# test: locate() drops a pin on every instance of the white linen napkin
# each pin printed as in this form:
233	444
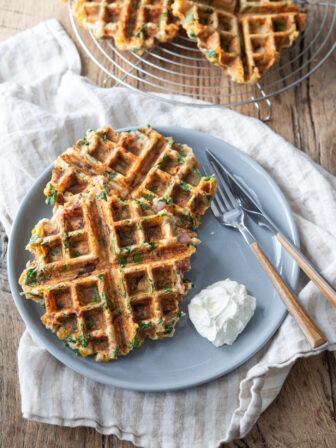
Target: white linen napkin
45	106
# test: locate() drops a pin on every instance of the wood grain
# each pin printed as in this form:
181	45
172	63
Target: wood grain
303	415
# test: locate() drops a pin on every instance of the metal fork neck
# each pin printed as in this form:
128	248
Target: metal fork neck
248	237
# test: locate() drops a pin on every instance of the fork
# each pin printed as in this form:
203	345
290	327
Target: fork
228	212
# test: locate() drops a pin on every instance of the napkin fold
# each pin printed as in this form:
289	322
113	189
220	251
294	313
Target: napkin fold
45	106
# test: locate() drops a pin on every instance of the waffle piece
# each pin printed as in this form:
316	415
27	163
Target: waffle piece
264	37
135	164
133	24
216	30
244	44
266	6
109	273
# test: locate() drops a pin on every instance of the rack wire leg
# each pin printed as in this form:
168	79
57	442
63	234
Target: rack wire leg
263	115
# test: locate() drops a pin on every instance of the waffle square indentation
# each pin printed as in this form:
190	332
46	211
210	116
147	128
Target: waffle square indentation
126	235
78	246
54	252
142	309
163	277
153	231
137	283
61	299
88	293
74	220
94	320
120	211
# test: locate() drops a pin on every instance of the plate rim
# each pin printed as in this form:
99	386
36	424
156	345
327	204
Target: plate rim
71	361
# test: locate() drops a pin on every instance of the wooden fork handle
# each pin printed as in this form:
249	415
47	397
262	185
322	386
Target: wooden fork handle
326	289
313	334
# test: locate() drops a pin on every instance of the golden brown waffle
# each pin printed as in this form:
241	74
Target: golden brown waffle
246	43
266	6
109	273
264	36
133	24
216	31
135	164
109	264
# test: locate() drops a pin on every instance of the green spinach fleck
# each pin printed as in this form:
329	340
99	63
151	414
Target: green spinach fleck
103	137
167	200
137	258
180	159
83	142
122	261
184	186
31	277
169	330
102	195
69	340
34	239
52	196
145	325
212	54
135	343
189	18
150	197
207	178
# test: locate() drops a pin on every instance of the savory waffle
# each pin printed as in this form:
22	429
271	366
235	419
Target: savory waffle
109	273
216	31
264	36
266	6
136	164
133	24
245	43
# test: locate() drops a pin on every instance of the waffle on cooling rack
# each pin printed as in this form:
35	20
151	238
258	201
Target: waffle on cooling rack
216	31
266	6
244	37
133	24
140	163
109	265
265	36
244	44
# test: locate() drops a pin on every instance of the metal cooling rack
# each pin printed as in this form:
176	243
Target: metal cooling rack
179	68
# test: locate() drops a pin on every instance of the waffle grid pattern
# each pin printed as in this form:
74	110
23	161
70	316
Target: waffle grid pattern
137	164
109	265
106	287
266	6
265	36
133	24
245	43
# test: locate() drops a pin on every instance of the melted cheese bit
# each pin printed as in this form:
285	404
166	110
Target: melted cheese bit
221	311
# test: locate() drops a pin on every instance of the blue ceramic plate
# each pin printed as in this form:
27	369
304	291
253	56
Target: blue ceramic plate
187	359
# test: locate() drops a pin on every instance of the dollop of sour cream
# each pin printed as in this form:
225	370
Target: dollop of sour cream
221	311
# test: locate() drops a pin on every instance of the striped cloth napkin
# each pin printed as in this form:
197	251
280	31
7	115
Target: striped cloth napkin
44	107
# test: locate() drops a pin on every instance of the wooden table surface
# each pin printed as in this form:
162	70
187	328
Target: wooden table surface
303	415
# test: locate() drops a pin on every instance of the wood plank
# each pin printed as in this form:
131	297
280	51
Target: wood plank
304	413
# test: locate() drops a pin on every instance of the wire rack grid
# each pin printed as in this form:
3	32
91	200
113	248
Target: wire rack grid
178	68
